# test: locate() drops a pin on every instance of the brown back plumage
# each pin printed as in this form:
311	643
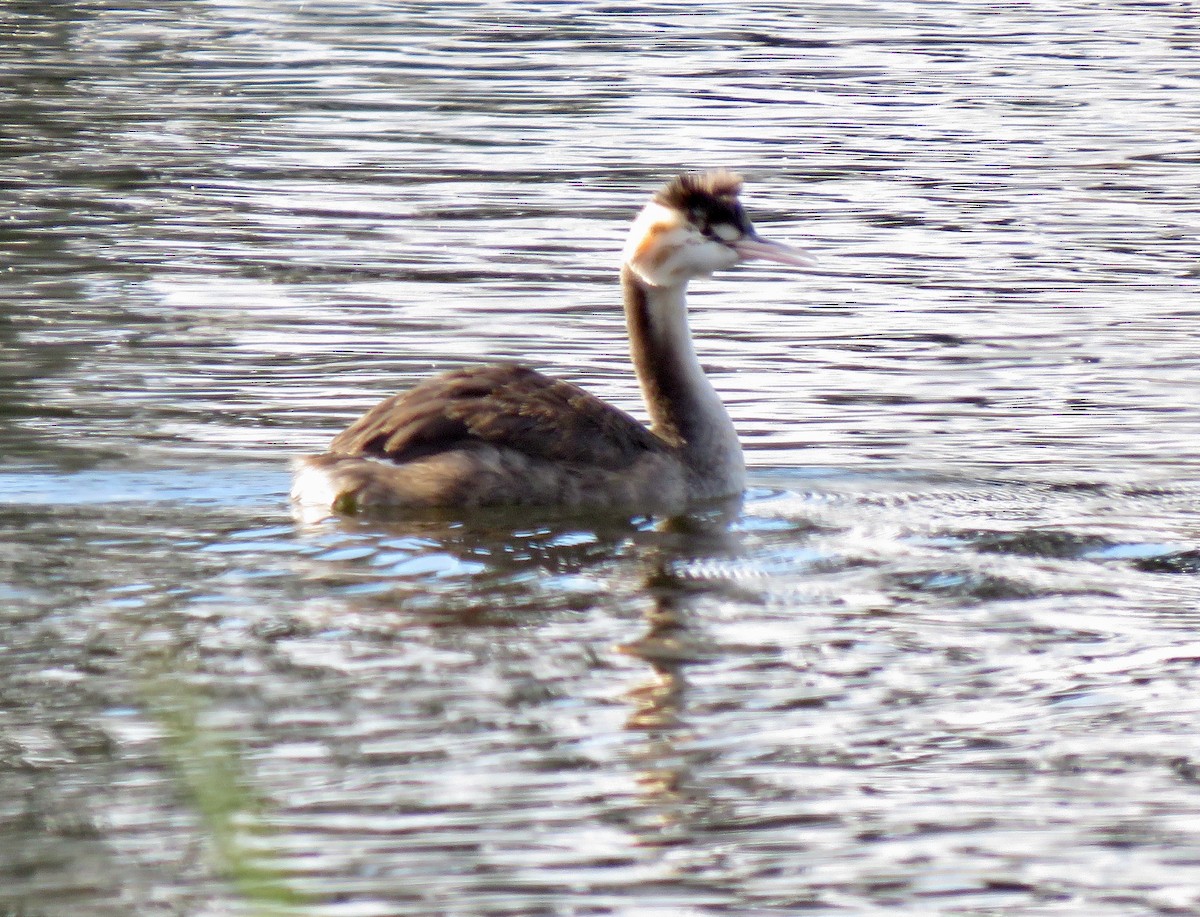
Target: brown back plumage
504	405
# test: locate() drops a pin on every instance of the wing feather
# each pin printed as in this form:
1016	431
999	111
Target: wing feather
504	405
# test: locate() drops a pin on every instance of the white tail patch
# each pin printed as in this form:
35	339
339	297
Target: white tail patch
313	486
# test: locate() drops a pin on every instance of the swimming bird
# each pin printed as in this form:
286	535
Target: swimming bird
504	434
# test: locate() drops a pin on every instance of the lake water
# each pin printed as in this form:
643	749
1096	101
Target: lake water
942	660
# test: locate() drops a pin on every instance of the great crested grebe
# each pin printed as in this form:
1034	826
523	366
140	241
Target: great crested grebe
504	434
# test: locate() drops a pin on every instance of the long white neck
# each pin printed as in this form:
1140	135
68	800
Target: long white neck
685	409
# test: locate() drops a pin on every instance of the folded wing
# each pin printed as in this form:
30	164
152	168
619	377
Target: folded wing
503	405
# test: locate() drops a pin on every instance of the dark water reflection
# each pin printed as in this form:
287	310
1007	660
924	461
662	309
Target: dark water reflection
942	660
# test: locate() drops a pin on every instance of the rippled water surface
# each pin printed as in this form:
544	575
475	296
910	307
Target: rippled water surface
943	658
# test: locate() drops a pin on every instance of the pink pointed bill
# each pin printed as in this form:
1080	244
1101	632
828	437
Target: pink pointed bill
761	249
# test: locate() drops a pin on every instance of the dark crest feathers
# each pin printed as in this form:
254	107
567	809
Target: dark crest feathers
707	198
685	189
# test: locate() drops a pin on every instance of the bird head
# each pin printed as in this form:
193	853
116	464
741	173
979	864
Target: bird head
695	225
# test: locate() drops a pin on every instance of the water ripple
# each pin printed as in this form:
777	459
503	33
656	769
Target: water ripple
941	661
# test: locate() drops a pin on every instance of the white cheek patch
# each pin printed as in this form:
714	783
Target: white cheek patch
653	220
663	249
662	259
657	236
